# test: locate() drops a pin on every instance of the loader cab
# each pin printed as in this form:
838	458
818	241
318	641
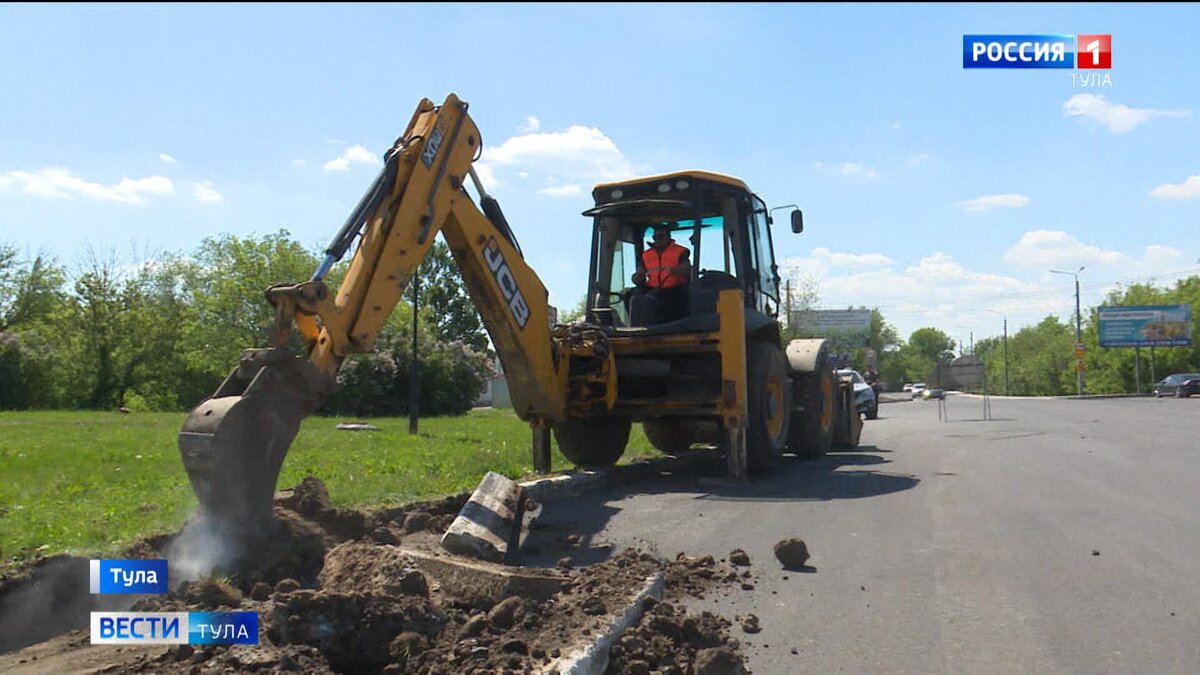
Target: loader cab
722	224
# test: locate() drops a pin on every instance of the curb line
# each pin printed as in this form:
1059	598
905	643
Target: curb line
571	484
593	658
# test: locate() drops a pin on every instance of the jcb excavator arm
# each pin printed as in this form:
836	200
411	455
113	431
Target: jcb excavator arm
234	442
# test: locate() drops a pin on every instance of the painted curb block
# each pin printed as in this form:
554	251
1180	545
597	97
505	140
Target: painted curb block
592	659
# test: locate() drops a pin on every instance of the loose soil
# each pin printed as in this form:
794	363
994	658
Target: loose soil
339	590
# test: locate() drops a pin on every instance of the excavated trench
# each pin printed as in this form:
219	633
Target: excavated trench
340	590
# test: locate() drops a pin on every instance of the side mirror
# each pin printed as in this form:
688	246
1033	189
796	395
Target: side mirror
797	221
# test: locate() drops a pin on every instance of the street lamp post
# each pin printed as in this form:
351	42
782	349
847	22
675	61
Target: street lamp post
1078	339
1005	343
971	333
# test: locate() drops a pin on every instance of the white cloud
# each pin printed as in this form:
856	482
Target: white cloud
1118	117
1188	189
1055	248
355	154
936	291
167	158
894	125
204	191
827	259
918	159
986	202
59	183
561	191
577	155
530	125
849	169
486	175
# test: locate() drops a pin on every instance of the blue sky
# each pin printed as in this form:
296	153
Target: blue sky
930	191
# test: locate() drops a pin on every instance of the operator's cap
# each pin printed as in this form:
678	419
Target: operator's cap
662	227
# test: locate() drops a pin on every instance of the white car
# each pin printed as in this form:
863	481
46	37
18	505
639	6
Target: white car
907	386
917	389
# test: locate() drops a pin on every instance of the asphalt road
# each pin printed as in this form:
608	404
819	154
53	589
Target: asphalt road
1062	536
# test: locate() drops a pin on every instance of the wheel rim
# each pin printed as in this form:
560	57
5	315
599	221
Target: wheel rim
775	411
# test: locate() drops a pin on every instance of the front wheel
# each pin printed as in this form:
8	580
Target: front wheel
769	404
593	442
873	411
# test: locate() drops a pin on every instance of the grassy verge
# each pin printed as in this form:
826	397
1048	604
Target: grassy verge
90	483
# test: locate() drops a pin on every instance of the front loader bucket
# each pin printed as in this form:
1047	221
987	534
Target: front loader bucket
233	443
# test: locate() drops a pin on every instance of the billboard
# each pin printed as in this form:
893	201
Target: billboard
1146	326
850	326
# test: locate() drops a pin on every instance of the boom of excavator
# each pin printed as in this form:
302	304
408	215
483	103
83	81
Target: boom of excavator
721	376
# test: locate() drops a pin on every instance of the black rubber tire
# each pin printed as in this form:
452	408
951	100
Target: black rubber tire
593	442
769	404
670	437
873	411
811	435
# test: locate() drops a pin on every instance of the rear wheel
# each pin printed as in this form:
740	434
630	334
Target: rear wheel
769	406
670	437
811	433
591	442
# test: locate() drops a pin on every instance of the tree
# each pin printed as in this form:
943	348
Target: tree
223	286
916	359
576	313
29	290
801	293
442	291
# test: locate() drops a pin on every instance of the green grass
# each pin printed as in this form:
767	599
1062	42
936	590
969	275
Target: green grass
90	483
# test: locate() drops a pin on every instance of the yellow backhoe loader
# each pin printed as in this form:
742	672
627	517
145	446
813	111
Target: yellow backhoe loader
712	371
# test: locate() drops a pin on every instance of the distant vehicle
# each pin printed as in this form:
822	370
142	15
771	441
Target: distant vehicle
907	386
933	393
1180	385
917	389
865	401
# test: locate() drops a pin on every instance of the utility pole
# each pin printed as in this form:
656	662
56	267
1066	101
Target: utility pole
1078	339
788	317
414	374
1005	343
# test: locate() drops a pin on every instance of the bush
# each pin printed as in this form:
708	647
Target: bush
451	377
13	394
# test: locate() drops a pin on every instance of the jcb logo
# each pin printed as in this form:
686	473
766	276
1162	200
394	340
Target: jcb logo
431	148
506	281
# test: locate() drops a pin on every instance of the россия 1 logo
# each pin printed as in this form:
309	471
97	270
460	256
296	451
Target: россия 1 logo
1081	51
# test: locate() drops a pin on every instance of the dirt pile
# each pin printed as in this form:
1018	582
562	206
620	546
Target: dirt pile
672	642
346	591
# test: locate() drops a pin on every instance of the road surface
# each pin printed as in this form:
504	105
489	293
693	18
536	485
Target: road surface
1062	536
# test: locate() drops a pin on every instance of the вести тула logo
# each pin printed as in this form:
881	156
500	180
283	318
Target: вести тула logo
1090	51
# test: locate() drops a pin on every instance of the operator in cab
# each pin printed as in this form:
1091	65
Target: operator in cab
663	273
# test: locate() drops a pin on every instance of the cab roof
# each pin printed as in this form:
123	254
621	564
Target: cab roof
699	175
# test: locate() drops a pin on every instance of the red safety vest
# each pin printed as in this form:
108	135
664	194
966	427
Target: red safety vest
658	266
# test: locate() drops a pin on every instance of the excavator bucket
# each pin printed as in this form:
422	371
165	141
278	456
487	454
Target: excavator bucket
234	442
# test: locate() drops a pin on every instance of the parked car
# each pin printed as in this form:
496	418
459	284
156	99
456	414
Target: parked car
1181	385
865	401
907	387
917	389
